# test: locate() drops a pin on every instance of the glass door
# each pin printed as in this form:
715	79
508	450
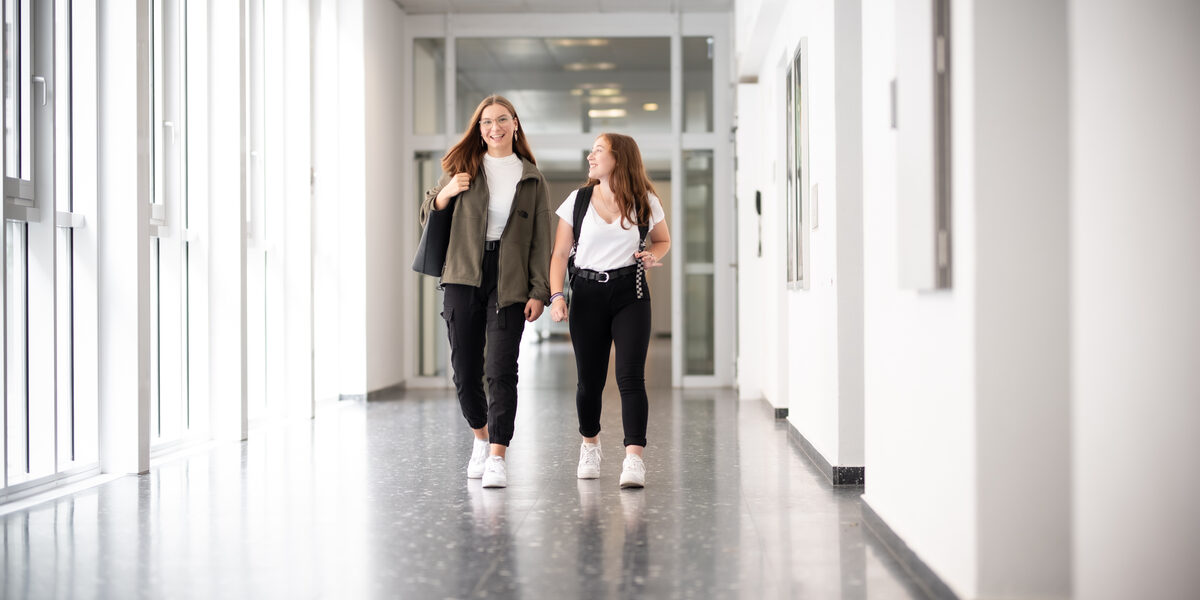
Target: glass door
659	89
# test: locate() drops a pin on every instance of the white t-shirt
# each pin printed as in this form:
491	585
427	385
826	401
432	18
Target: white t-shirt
502	177
606	246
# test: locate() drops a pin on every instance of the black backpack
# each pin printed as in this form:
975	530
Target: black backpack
583	199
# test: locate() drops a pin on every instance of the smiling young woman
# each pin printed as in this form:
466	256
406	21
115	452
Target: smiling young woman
614	213
496	275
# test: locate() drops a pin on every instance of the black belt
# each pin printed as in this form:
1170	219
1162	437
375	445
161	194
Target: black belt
604	276
491	245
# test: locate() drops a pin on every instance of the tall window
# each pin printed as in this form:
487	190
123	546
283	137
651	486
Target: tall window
796	168
171	417
49	431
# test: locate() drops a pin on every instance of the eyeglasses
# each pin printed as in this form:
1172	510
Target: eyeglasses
502	121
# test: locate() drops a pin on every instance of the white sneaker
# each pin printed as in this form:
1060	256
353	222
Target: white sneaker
633	472
494	473
479	454
589	461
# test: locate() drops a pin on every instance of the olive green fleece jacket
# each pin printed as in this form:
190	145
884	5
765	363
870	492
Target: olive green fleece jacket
524	246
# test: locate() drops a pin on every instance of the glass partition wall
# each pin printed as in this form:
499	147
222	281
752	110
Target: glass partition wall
570	83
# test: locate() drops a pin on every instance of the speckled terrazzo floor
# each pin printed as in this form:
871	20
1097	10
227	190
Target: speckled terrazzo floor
370	500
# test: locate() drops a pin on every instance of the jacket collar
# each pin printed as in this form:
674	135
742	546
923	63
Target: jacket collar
528	169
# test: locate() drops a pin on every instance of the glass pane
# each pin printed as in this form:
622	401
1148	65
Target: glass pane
16	401
429	86
698	206
797	167
156	396
570	85
64	338
12	134
698	262
698	347
256	334
25	89
432	348
697	84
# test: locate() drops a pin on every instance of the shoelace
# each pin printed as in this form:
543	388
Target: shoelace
591	456
632	464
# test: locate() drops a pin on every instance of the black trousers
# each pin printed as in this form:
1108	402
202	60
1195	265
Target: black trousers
473	321
604	314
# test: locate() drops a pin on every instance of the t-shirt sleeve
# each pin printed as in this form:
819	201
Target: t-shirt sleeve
657	215
567	210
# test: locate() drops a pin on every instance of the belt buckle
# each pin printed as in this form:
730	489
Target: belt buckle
606	277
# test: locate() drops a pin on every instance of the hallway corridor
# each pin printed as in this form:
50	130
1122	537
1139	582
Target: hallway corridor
369	500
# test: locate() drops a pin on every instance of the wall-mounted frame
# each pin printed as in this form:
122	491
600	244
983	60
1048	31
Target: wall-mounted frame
922	119
796	167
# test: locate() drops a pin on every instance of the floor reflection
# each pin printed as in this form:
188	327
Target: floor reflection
371	501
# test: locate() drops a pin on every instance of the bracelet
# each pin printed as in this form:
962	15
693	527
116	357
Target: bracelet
555	295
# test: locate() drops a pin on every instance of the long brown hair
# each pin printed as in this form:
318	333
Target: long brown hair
467	154
629	182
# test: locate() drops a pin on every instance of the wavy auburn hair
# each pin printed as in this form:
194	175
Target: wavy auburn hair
629	181
467	154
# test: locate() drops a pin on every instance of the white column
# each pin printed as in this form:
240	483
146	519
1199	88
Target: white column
1022	340
1135	289
848	123
389	198
122	223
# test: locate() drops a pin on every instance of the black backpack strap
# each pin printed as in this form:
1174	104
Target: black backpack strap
583	199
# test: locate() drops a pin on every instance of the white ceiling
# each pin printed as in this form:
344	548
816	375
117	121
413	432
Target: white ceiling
416	7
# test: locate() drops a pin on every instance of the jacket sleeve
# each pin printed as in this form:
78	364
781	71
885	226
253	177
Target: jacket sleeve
427	205
539	249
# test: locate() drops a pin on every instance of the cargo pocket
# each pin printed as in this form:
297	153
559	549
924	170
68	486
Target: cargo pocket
448	315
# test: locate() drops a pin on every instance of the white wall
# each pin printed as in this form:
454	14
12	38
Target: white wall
812	347
1135	284
757	372
792	346
1015	421
919	347
388	195
762	290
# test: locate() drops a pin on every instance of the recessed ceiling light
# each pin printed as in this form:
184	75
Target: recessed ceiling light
573	42
609	91
606	113
608	100
589	66
650	106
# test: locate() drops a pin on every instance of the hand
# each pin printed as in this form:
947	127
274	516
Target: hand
457	185
533	309
648	259
558	310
